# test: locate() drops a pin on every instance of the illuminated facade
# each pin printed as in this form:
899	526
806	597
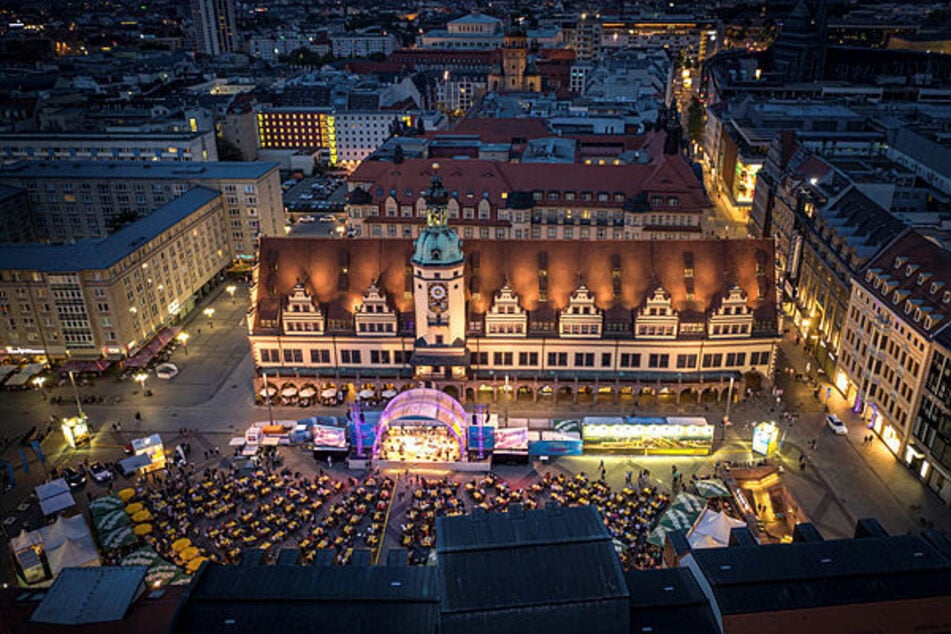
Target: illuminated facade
540	318
699	40
107	298
661	199
348	137
293	128
899	306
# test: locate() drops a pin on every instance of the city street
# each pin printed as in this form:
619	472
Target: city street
845	479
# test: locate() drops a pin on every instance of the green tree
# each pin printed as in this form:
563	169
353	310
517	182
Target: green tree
120	220
228	151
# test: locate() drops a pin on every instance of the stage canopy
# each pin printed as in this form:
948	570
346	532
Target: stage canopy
423	406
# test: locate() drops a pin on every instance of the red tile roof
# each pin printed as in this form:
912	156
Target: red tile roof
668	174
503	130
318	263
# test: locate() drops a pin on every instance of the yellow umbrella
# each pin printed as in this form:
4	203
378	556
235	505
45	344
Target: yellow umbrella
181	544
142	516
126	494
194	564
134	508
142	529
189	553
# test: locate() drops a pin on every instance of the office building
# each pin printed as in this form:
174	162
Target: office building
215	28
106	298
90	199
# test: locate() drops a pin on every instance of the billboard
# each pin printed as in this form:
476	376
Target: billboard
649	436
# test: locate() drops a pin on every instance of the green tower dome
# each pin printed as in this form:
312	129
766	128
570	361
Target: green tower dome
438	244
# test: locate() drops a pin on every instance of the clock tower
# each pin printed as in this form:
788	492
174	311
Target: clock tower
439	291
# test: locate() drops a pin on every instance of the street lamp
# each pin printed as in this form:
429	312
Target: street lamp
230	289
183	339
38	382
209	313
140	378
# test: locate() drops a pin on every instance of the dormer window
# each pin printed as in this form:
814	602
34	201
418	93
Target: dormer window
910	270
900	262
946	298
581	317
435	254
935	287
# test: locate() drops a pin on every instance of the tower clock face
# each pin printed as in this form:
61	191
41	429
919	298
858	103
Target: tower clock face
438	297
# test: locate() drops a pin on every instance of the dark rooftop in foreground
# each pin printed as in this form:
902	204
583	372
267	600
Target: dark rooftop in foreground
553	569
278	599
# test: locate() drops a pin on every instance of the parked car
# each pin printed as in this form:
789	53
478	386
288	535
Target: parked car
307	219
100	472
836	425
328	218
74	478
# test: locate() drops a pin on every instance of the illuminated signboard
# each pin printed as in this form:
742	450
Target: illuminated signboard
649	436
765	436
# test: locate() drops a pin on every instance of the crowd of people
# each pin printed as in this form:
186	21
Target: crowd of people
629	514
225	512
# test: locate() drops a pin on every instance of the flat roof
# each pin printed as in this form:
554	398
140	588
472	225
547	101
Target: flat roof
101	253
152	170
8	191
99	134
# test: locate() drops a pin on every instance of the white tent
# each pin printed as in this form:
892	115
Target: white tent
54	496
67	542
712	530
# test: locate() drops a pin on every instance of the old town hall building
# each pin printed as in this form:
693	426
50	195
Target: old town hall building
568	320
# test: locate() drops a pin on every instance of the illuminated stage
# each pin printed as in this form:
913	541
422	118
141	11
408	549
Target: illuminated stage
419	428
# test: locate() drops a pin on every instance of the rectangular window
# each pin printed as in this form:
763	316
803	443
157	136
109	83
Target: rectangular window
584	359
658	361
605	359
686	361
630	360
481	358
528	358
320	356
558	359
713	360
